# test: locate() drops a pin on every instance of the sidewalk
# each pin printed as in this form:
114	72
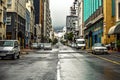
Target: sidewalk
109	51
26	51
113	52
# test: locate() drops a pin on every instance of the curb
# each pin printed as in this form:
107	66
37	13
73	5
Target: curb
24	53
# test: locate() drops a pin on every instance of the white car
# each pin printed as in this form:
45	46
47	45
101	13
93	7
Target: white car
9	48
47	46
34	45
99	48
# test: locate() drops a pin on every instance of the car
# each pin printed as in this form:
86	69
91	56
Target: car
9	48
47	46
99	48
40	45
34	45
73	45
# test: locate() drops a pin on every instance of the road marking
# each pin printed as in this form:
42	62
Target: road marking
107	59
58	70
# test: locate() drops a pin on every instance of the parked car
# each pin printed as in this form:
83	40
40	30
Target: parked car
34	45
47	46
9	48
73	45
99	48
40	45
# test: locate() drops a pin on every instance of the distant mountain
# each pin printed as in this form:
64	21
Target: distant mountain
57	29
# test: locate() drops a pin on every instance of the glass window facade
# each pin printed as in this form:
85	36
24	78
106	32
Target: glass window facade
90	6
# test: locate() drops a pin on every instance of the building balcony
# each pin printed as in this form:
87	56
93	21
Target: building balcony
98	14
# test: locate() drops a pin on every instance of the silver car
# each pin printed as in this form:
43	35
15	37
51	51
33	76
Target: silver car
9	48
34	45
99	48
47	46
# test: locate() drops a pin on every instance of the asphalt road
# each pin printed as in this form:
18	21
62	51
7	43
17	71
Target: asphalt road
63	63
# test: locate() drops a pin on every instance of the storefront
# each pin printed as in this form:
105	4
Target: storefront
115	30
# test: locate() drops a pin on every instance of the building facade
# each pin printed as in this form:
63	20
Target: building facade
3	6
70	23
80	18
47	21
16	10
37	20
98	18
42	19
115	29
27	29
30	7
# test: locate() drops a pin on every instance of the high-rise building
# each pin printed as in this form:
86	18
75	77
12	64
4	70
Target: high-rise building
37	20
16	10
45	19
80	18
30	7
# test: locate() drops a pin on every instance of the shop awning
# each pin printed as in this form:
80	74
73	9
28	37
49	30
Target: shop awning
114	30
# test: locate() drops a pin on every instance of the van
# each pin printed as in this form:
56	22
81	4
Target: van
9	48
80	43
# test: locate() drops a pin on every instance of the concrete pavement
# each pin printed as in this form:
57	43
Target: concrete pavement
26	50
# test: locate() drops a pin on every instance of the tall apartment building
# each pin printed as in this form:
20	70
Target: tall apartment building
99	16
30	7
70	23
37	20
72	20
42	19
80	18
3	6
45	20
16	10
27	29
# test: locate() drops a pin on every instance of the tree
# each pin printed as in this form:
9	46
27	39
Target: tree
69	36
55	40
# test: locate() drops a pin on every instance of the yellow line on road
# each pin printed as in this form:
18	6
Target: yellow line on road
107	59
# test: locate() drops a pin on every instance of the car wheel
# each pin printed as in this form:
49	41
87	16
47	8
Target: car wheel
18	56
2	57
14	56
94	52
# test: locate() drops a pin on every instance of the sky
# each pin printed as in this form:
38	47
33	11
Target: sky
59	10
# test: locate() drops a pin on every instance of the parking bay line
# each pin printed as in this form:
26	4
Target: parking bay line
107	59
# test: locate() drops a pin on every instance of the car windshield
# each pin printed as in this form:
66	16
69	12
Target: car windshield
98	45
81	42
6	43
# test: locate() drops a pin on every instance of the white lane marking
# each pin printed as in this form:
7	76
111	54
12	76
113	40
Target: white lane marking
58	70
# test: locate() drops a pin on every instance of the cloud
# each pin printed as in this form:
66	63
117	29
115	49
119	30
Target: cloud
59	10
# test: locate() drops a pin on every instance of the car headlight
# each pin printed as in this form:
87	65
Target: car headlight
105	50
11	52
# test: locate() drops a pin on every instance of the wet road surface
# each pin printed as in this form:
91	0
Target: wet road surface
80	65
32	66
63	63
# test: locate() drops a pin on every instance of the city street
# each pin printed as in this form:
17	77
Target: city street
63	63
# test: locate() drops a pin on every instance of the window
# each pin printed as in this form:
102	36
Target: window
113	7
8	20
9	3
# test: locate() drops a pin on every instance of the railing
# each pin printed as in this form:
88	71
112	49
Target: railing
98	12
